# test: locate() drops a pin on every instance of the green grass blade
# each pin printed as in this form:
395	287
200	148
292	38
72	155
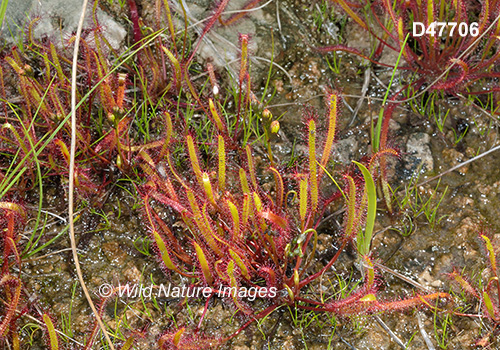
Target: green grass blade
3	10
378	130
365	241
43	142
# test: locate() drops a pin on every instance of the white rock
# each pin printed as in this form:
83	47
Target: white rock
57	19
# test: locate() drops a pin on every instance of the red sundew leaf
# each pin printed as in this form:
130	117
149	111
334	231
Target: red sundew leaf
366	303
218	11
465	285
8	279
203	263
134	17
458	79
404	304
164	252
279	186
491	309
14	208
64	149
13	246
171	203
484	341
243	12
109	142
52	335
275	219
269	275
187	339
352	14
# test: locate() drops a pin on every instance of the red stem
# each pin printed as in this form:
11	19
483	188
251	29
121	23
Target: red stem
205	310
134	17
327	266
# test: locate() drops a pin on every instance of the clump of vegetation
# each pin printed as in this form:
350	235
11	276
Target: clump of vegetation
11	285
445	58
237	236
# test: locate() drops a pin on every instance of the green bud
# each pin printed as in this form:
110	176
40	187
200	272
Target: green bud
275	126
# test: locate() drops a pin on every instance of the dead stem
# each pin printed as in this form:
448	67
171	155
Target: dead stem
72	174
460	165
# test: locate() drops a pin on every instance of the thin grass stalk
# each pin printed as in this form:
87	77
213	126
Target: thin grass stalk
72	174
